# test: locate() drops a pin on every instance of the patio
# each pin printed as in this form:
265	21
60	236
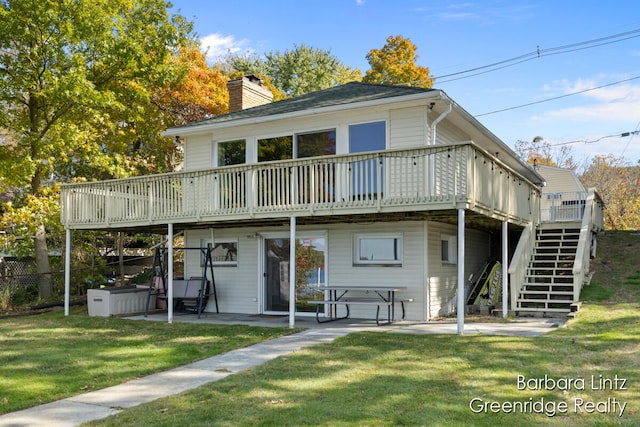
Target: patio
519	327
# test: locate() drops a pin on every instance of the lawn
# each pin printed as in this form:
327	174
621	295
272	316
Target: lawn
385	379
48	357
363	379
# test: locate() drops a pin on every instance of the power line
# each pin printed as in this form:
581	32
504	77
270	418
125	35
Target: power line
593	141
558	97
634	133
539	53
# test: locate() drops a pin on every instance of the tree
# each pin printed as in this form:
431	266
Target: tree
295	72
540	152
76	81
617	183
395	63
201	94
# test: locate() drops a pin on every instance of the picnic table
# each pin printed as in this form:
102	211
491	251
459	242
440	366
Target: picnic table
348	295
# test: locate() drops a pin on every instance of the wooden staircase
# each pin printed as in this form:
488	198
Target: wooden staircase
548	289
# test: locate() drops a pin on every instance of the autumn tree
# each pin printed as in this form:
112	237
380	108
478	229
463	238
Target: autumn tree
298	71
76	83
617	182
201	94
395	63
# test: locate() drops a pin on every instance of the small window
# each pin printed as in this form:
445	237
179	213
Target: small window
223	253
378	250
448	249
231	153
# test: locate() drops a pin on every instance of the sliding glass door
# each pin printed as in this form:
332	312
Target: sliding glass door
310	272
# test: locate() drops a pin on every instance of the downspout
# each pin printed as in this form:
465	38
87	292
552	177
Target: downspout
438	120
432	160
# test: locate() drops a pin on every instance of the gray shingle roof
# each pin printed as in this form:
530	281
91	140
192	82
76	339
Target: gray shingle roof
339	95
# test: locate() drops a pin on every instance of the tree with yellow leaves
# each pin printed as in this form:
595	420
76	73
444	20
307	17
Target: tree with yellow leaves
395	63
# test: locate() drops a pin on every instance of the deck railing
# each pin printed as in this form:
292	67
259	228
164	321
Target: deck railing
563	207
435	177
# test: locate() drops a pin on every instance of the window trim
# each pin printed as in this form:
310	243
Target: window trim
226	141
359	262
206	242
451	257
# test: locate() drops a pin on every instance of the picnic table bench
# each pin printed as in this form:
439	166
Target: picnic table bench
347	296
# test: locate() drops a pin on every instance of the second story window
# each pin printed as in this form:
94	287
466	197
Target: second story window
231	152
278	148
314	144
367	137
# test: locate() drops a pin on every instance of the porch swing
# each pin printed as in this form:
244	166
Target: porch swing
188	295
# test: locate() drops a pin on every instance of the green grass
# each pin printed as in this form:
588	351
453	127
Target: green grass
48	357
385	379
363	379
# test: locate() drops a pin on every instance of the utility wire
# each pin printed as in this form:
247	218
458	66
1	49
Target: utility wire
593	141
558	97
634	133
539	53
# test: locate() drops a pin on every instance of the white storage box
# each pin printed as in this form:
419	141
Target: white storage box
107	302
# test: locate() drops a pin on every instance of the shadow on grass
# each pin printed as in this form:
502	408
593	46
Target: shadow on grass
49	357
392	379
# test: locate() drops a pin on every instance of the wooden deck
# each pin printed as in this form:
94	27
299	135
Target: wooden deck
423	179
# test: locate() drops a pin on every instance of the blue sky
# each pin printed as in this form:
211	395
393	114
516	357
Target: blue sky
455	36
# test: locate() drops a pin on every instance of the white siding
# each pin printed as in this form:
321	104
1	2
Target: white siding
560	180
407	127
447	133
443	278
198	152
237	287
411	274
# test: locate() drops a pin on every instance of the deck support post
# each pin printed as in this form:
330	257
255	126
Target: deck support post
170	273
292	272
461	279
505	269
67	270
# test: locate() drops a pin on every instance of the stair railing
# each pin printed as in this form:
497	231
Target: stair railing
520	262
590	222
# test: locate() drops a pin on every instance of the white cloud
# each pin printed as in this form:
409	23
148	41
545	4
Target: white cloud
618	103
360	2
217	46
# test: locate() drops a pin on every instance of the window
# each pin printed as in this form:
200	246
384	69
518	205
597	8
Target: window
448	248
231	152
367	137
314	144
378	250
278	148
364	174
223	253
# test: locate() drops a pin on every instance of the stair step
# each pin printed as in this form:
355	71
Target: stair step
551	280
552	269
534	288
548	283
562	302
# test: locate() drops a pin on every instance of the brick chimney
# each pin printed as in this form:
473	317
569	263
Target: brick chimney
247	92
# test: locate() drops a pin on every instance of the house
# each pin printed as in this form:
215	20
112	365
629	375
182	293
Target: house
376	184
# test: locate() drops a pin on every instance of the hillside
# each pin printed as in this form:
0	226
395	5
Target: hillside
616	269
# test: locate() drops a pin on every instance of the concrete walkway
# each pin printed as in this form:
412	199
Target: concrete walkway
109	401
